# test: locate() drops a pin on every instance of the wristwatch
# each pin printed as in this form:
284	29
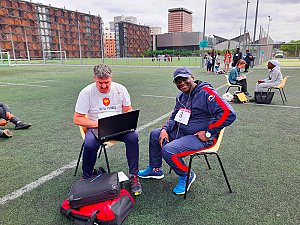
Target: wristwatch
207	134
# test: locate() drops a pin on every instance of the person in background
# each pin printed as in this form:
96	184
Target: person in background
248	58
198	117
236	57
217	69
98	100
274	78
213	57
236	78
208	63
227	61
5	117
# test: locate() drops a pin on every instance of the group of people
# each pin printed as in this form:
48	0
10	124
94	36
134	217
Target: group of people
5	117
274	78
199	115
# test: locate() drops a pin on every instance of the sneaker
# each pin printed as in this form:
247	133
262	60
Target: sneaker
179	189
7	133
21	125
136	187
155	173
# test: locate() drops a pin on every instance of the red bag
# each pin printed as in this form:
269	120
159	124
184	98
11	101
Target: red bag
110	212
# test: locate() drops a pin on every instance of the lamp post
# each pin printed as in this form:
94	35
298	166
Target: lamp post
245	27
270	19
204	21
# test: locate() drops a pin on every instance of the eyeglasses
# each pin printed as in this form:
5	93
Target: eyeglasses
178	80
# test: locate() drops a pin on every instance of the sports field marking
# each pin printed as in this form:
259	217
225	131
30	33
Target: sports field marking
157	96
20	84
29	187
40	81
278	106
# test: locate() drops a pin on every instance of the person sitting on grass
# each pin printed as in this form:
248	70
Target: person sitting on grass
236	78
5	117
198	117
217	69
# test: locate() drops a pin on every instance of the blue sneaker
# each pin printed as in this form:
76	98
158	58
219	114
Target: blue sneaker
179	189
151	173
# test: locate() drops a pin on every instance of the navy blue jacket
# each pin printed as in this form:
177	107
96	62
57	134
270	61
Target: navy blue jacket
209	111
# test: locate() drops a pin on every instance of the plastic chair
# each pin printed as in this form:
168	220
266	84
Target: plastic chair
232	85
208	151
280	88
103	146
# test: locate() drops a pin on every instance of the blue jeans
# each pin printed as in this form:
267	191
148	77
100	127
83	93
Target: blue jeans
171	151
92	144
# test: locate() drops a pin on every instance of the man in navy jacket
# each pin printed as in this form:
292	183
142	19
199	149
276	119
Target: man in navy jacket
199	115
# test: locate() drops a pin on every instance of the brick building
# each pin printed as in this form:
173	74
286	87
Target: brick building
32	30
131	39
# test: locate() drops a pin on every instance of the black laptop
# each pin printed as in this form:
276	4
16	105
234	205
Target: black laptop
112	126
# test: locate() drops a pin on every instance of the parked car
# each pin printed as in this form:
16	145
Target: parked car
278	54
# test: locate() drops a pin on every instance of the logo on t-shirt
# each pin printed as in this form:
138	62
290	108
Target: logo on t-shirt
106	101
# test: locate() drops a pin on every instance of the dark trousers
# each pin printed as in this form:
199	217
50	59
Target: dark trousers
247	66
243	83
92	144
3	112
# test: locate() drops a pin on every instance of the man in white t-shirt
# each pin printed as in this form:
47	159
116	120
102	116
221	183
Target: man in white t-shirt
98	100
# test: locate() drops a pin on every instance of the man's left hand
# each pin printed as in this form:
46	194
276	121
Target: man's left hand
201	135
3	122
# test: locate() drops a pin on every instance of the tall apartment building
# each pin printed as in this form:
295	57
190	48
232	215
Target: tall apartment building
110	43
131	39
129	19
179	20
32	30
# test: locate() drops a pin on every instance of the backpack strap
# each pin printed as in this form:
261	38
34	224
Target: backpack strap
93	218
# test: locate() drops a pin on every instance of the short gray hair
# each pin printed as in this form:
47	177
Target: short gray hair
102	71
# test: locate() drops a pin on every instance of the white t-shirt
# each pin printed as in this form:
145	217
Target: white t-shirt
99	105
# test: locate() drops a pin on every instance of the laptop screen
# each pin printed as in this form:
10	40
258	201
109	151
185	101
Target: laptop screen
112	126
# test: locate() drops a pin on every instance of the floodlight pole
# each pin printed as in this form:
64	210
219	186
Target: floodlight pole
204	22
80	53
245	27
255	22
102	39
61	60
270	19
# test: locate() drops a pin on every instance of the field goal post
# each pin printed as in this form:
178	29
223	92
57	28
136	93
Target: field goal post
56	55
5	58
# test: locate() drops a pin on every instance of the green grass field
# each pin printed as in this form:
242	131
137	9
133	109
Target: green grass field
260	151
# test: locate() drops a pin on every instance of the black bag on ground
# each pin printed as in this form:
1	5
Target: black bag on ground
263	97
98	189
109	212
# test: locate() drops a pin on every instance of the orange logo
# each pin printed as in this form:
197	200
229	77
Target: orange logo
106	101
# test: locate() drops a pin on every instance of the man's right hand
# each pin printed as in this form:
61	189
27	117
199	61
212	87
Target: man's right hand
163	135
260	81
3	122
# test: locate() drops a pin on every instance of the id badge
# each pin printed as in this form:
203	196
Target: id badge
183	116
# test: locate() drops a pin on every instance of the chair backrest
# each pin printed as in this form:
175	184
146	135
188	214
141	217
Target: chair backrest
282	84
227	80
217	145
82	131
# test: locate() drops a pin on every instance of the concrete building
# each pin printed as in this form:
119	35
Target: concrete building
129	19
131	39
179	20
110	43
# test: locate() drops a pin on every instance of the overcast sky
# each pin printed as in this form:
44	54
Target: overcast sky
225	18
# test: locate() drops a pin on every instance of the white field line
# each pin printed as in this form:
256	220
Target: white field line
277	106
18	193
28	85
40	81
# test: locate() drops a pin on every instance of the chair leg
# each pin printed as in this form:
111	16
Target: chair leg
170	171
281	96
81	150
205	156
188	176
227	89
106	158
284	95
224	173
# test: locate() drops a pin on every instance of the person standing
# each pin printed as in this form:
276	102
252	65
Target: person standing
227	61
248	58
198	117
98	100
236	57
